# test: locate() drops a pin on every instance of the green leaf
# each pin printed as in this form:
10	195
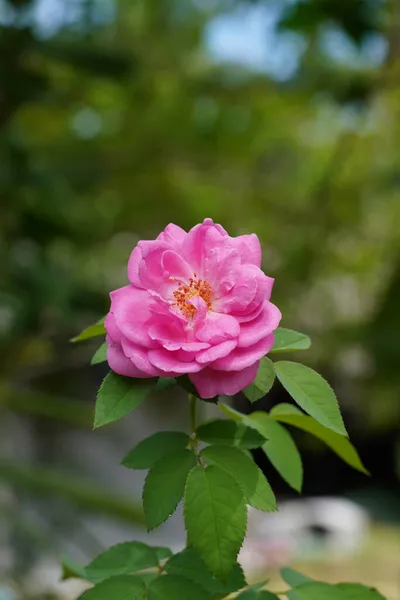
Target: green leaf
315	590
254	595
287	340
117	396
263	382
100	355
312	393
286	413
163	553
172	587
355	591
279	448
165	382
121	559
124	587
189	565
92	331
150	450
228	433
215	517
257	491
71	570
293	578
230	412
164	486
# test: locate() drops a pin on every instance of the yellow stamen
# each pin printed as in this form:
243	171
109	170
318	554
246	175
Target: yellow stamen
186	291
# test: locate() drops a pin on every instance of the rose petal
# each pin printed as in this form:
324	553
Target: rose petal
120	364
249	248
253	331
199	243
217	328
174	266
210	383
215	352
240	358
172	362
173	236
130	307
138	356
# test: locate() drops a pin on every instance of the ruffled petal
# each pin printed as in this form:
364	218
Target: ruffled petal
130	307
199	243
249	248
112	329
138	356
239	297
210	383
253	331
217	328
173	235
215	352
172	362
241	358
174	266
120	364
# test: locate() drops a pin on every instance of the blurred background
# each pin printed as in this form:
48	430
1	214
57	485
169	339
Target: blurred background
280	117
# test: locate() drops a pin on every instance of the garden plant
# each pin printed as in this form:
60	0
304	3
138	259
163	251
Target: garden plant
196	313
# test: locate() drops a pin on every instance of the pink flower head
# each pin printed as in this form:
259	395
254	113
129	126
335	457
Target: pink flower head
197	304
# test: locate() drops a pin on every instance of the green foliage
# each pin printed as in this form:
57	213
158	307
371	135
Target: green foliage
189	565
293	578
286	413
124	587
355	591
287	340
279	448
164	486
257	491
254	595
122	559
94	330
215	517
100	355
312	393
71	569
263	382
172	587
228	433
158	445
315	590
165	382
117	396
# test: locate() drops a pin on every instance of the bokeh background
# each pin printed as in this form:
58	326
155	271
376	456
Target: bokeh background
280	117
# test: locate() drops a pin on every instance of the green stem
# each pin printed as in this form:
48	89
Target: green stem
192	403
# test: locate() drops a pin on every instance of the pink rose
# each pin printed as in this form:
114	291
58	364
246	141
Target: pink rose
197	303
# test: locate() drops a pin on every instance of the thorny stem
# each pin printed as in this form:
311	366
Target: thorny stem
192	403
193	440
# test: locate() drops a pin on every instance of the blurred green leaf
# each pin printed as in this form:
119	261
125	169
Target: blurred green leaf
287	340
100	355
117	396
223	432
285	413
158	445
312	393
94	330
263	382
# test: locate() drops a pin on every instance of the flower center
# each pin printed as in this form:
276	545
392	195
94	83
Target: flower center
186	291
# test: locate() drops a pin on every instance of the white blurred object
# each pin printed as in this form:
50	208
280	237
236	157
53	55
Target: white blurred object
303	528
45	577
